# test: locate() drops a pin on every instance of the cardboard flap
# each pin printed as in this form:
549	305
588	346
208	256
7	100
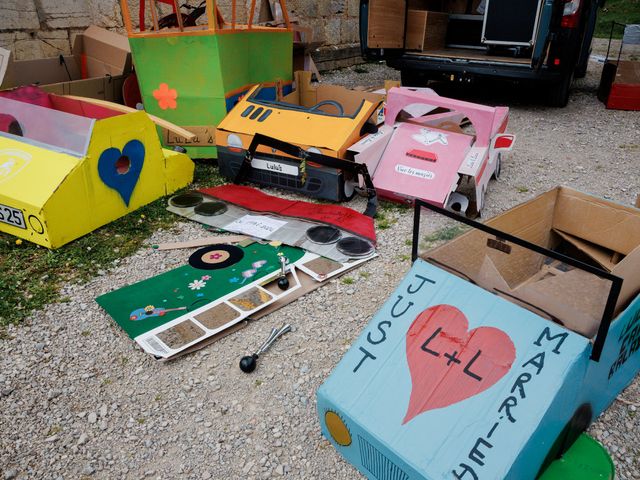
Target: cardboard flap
44	71
604	257
629	270
107	53
601	222
5	55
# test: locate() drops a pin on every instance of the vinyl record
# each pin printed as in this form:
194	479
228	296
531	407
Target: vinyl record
216	257
210	209
323	234
186	200
354	247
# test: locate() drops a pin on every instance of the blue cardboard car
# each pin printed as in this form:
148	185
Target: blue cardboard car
461	376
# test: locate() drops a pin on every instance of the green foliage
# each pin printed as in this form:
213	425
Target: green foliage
443	235
621	11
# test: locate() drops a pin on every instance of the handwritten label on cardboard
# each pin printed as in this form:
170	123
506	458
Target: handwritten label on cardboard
205	137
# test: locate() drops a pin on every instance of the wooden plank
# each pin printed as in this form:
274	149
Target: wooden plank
469	54
426	30
124	109
386	23
200	242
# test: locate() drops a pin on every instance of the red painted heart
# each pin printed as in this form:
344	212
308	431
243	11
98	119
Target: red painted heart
449	363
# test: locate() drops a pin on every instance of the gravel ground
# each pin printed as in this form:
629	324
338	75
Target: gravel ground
78	399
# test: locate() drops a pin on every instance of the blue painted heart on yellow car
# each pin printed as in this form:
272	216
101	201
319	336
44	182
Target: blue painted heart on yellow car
120	170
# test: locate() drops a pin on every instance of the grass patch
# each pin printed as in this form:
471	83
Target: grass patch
522	189
360	69
621	11
443	235
365	274
55	429
348	280
31	276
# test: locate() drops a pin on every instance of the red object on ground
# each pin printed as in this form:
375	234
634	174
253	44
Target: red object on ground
254	200
625	89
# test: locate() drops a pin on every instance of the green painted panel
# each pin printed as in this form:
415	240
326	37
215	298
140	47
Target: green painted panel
205	71
267	64
178	289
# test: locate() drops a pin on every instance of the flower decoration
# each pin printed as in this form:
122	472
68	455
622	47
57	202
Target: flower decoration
249	273
258	264
197	284
166	96
149	308
205	277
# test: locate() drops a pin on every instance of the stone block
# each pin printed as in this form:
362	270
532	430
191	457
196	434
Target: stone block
18	15
353	8
106	13
27	46
332	31
305	8
65	13
349	32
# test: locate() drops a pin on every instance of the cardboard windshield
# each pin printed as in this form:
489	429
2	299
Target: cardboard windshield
532	264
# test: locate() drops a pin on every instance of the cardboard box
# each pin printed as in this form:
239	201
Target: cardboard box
449	380
307	95
398	407
595	231
426	30
97	67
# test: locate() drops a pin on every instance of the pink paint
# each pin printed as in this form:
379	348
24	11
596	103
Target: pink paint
415	177
448	363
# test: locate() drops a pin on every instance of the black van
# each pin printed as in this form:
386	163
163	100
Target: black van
545	41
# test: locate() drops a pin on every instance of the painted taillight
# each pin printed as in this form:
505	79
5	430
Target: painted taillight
570	14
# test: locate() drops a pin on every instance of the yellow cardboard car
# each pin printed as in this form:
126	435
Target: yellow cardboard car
68	166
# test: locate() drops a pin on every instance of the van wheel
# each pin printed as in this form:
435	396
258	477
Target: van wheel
412	78
559	95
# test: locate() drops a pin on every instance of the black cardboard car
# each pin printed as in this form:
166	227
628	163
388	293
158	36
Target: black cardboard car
543	41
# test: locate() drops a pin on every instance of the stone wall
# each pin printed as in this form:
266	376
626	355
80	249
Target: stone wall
45	28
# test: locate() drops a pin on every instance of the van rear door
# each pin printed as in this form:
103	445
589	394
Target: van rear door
544	35
386	22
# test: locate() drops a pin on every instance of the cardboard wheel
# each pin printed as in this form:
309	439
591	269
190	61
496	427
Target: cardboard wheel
498	170
216	257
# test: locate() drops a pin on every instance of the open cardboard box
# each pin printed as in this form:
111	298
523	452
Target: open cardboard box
597	232
307	95
97	67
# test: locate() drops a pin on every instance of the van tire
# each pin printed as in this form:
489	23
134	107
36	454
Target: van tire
559	95
412	78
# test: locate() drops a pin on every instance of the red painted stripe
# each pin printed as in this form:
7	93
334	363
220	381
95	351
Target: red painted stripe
256	201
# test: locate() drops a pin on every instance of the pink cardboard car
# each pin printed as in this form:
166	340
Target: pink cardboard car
423	152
